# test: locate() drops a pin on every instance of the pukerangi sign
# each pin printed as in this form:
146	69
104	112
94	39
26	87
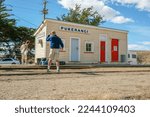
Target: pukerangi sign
85	31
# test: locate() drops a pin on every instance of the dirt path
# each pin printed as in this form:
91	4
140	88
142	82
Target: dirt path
94	83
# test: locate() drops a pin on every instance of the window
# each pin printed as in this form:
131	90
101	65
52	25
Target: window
133	56
40	41
128	55
7	59
89	47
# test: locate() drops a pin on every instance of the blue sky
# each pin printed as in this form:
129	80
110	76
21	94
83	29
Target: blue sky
131	15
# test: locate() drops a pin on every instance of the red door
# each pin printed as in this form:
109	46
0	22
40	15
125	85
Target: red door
114	50
102	51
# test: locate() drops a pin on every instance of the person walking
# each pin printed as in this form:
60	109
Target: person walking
24	51
55	45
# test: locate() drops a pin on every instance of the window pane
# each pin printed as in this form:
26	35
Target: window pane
133	56
88	47
7	60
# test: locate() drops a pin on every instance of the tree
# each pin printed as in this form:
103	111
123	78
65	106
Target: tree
7	25
84	16
23	34
9	32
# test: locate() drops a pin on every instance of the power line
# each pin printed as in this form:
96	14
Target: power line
44	11
25	20
20	17
21	7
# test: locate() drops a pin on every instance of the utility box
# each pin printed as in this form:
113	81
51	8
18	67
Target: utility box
123	58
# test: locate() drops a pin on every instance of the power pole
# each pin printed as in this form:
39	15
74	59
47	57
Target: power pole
44	11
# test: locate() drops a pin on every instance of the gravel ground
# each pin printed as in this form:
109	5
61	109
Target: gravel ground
92	84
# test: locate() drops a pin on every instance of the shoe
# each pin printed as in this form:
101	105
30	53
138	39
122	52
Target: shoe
48	71
58	71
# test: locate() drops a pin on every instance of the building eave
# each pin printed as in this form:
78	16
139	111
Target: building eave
88	26
40	28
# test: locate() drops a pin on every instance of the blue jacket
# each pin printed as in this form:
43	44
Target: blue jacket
55	41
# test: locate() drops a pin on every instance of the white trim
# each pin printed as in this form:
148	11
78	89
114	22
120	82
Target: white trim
39	28
35	41
119	55
71	48
45	44
127	49
105	38
92	47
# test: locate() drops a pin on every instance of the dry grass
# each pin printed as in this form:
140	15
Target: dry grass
143	57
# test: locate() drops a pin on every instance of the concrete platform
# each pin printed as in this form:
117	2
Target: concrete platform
68	66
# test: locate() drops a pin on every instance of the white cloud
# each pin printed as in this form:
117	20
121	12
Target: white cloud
125	1
146	43
107	12
144	5
121	20
138	47
139	4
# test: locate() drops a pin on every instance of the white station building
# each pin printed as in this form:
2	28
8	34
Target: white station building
83	43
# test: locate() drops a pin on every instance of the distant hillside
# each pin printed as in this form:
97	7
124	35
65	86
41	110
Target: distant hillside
143	57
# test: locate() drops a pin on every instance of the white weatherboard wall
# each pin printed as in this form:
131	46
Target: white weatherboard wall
40	44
